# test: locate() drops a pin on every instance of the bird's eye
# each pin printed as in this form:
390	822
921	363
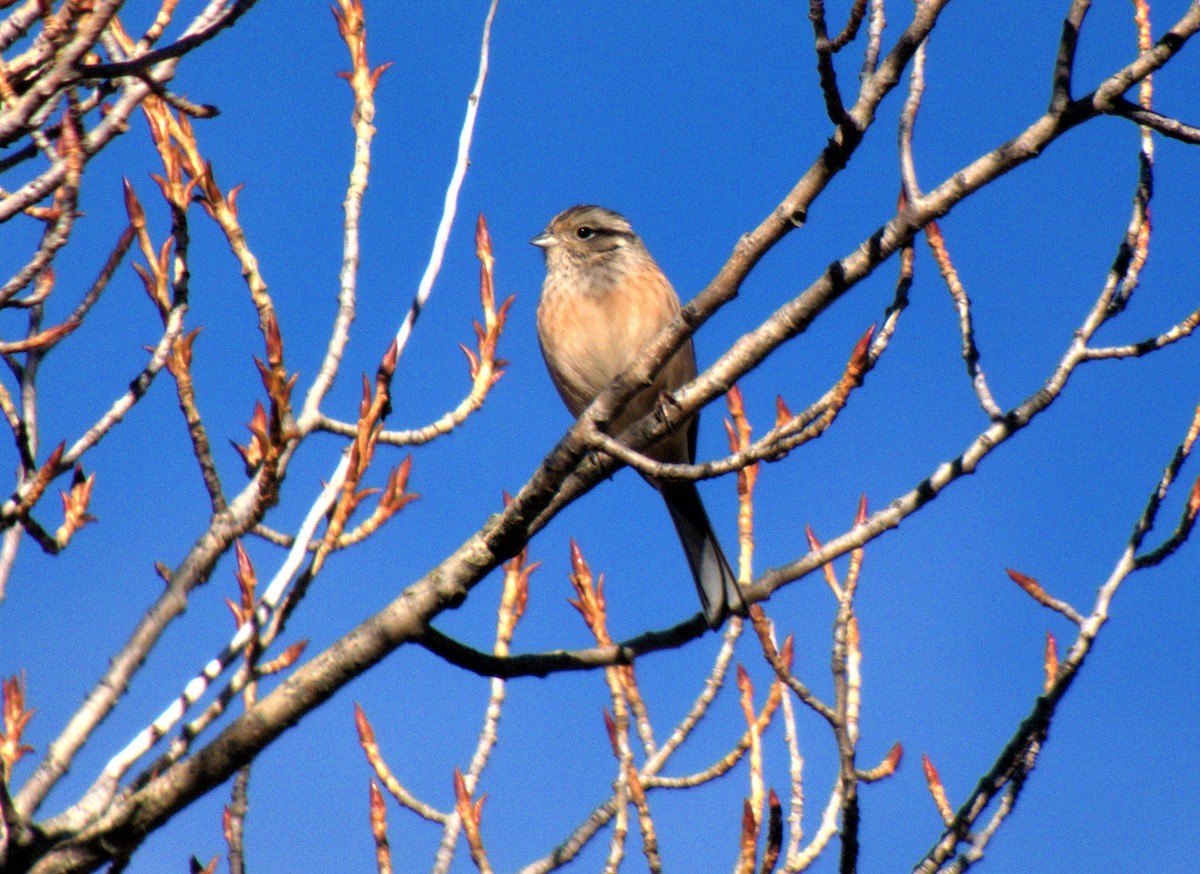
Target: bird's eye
584	233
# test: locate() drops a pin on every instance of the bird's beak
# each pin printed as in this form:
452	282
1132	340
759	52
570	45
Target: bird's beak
544	240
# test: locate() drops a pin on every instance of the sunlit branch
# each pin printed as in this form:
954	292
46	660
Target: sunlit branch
362	82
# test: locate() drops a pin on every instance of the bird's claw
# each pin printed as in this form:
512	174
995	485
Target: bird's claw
666	400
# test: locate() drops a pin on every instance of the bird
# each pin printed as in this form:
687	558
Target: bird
603	300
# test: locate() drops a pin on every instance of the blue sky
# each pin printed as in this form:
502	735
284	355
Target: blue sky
693	122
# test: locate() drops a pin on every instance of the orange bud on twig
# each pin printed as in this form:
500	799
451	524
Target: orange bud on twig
246	577
937	790
785	651
735	402
1029	584
892	760
284	660
387	365
610	728
856	556
754	730
858	357
1050	662
395	494
514	597
590	602
483	240
470	811
366	734
377	814
274	340
484	367
739	439
253	453
133	206
16	718
830	577
887	767
937	244
782	414
179	362
746	694
75	504
1035	591
739	432
40	341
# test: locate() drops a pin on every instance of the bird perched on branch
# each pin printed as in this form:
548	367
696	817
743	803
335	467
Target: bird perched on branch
604	299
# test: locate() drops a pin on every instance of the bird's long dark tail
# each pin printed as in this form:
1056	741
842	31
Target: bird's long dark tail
716	583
